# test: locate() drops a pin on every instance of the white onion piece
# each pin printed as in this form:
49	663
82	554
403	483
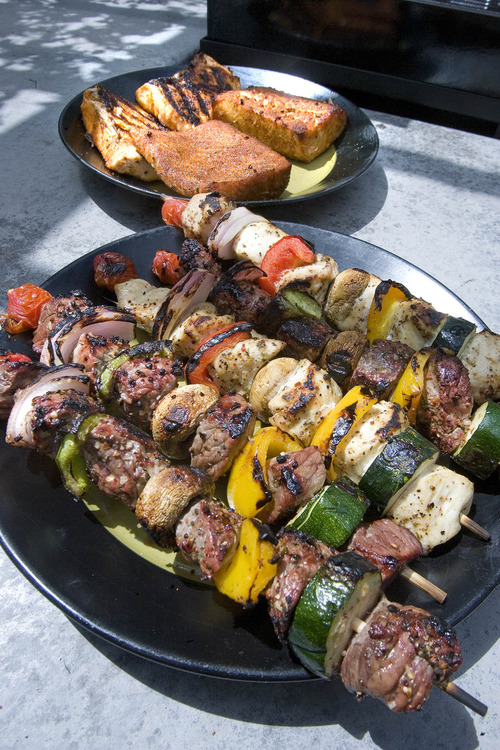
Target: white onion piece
102	321
184	297
18	431
222	238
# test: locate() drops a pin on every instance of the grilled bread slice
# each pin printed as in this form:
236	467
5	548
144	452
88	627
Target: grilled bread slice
115	145
296	127
184	100
212	156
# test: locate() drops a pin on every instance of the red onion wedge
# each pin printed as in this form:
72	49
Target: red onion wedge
101	321
62	378
184	297
222	238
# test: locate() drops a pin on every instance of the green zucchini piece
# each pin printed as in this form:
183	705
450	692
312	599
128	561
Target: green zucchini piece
404	457
454	333
72	466
333	514
297	303
344	588
480	453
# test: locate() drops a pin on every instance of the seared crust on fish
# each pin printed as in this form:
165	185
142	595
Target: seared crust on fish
212	156
296	127
184	100
115	145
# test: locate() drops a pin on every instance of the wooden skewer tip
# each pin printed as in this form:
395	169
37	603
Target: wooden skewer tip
465	698
423	583
476	528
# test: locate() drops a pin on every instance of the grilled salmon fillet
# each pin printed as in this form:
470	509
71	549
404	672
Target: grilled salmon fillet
296	127
115	145
184	100
212	156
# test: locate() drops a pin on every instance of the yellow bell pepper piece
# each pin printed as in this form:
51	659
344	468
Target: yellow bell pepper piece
247	490
339	422
387	297
411	384
250	569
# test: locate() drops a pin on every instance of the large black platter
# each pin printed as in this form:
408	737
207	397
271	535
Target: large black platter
346	160
115	593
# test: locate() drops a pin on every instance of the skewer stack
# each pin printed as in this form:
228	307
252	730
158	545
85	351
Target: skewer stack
318	417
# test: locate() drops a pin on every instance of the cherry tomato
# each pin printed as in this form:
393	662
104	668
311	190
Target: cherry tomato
111	269
166	267
289	252
172	210
14	357
24	307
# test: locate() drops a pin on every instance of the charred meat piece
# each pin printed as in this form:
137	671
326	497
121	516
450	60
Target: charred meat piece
55	414
380	366
387	545
222	434
54	311
300	557
446	403
195	255
294	478
207	533
237	293
341	355
120	458
94	353
16	372
398	656
305	338
140	383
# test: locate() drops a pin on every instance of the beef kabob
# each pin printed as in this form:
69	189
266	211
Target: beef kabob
111	378
366	313
280	344
167	490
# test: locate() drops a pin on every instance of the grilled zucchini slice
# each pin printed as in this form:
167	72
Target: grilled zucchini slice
344	588
333	514
404	457
480	453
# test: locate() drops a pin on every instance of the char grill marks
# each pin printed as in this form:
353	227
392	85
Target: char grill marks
305	338
55	414
293	479
194	255
386	545
120	458
237	293
300	557
381	365
54	311
222	434
398	656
